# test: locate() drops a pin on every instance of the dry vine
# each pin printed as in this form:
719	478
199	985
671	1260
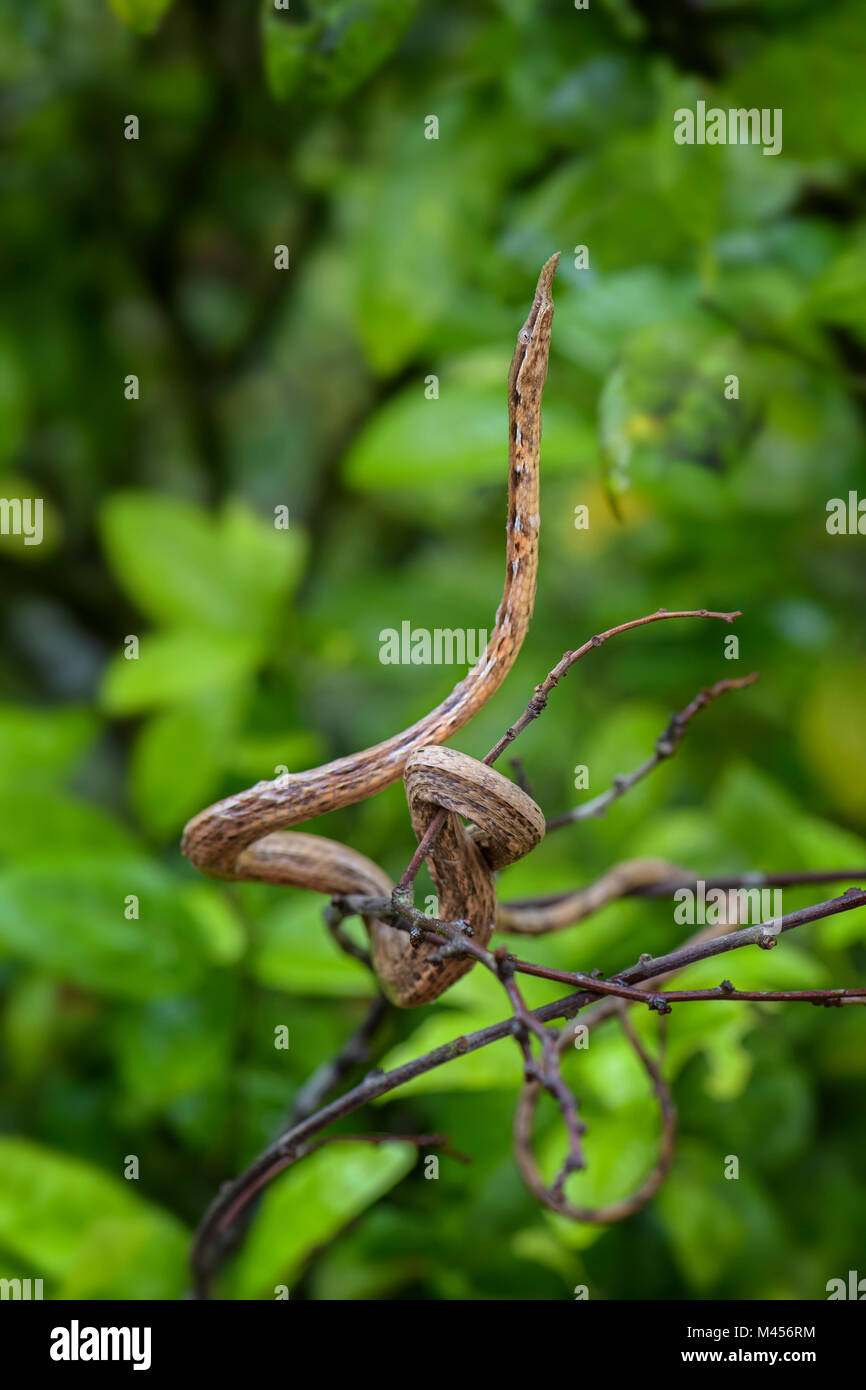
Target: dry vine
597	999
247	837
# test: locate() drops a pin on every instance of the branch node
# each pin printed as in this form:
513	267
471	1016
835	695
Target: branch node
403	898
658	1004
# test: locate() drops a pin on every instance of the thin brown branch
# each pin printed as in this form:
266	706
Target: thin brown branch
749	880
450	935
634	878
666	745
542	692
279	1165
535	707
294	1142
455	938
554	1196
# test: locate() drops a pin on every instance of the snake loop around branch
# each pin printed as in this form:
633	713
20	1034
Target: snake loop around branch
245	836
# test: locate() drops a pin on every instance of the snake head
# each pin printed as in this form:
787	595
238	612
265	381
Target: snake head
533	341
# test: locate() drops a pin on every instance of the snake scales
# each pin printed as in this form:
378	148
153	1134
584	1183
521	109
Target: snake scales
245	836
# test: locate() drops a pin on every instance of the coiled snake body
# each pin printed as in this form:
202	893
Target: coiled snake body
244	837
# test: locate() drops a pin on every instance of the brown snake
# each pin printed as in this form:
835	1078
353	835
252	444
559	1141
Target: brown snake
244	837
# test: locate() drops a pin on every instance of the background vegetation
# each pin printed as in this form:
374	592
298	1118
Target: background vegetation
154	1037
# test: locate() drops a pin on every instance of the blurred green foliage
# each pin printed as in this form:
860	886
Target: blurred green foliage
153	1035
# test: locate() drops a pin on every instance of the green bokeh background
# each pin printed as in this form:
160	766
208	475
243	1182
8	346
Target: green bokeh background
305	388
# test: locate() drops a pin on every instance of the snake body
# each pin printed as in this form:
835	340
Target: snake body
244	837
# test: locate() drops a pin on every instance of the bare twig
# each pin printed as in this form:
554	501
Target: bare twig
295	1142
645	878
542	692
542	1069
535	707
554	1196
450	936
750	880
666	745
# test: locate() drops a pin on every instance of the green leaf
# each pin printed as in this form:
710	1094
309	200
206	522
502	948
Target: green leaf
835	126
285	48
170	1048
166	555
176	765
416	212
838	295
713	1221
718	1035
667	396
257	756
89	1232
178	666
620	742
490	1068
756	815
772	1121
67	916
597	318
30	1016
294	952
832	735
222	935
32	821
186	568
263	565
413	443
638	195
310	1205
42	746
341	45
142	16
622	1147
689	837
133	1257
826	846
